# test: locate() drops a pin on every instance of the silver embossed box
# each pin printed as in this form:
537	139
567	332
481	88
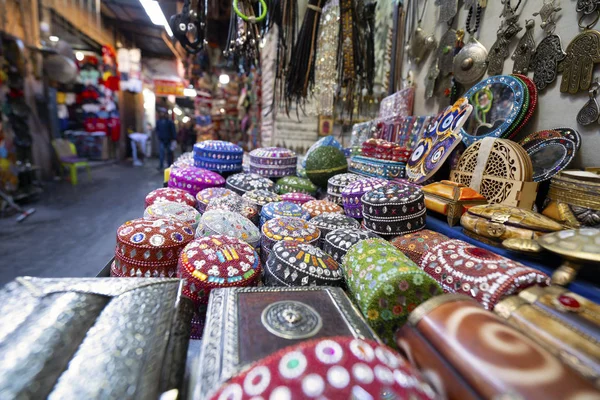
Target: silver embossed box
244	325
98	338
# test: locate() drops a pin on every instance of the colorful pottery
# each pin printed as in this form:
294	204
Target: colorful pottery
181	212
416	245
204	197
328	222
394	210
294	263
273	162
323	163
487	277
352	194
242	183
386	285
219	222
287	228
218	156
289	184
215	262
297	198
282	209
375	168
193	180
237	205
169	194
337	183
338	242
318	207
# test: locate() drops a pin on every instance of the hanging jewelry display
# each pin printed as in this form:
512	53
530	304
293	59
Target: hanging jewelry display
582	53
444	56
421	42
326	59
244	33
549	52
283	14
525	49
448	9
349	65
384	17
590	112
431	77
508	29
369	39
471	61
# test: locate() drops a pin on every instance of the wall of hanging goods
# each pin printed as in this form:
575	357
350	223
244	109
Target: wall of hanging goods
549	44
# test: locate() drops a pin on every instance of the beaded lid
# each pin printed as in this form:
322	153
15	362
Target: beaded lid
339	241
219	222
356	189
205	196
289	184
170	194
297	198
216	261
234	204
416	244
242	183
290	228
194	179
343	180
261	197
331	368
318	207
218	146
272	152
328	222
179	211
283	209
292	263
393	194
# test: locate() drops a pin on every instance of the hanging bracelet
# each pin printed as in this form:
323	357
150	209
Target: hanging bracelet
252	20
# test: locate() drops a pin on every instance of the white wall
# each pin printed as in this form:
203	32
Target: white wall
554	108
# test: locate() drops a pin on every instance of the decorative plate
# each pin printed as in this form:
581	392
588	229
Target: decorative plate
571	134
532	105
539	136
551	156
497	103
439	140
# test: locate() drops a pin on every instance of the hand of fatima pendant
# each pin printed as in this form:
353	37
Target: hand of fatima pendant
431	78
525	49
499	50
448	9
421	44
578	66
548	55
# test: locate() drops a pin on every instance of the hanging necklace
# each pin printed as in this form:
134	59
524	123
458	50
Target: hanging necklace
549	52
590	112
582	53
442	62
469	64
508	29
421	43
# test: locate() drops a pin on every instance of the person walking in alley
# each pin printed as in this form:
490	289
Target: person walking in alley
166	133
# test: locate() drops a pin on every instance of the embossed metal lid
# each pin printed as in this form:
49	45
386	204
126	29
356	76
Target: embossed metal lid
293	263
289	184
297	198
178	211
331	368
170	194
242	183
215	262
219	222
260	197
205	196
318	207
283	209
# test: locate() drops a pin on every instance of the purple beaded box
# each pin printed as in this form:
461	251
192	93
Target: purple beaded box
352	194
273	162
218	155
337	183
193	179
204	197
297	198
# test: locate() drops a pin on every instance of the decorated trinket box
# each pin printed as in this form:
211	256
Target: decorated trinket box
386	285
242	183
500	170
353	193
297	198
456	340
217	261
451	199
394	210
494	223
375	168
462	268
320	369
337	183
282	209
324	141
150	248
179	211
236	205
204	197
565	324
273	162
289	184
193	180
415	245
323	163
218	156
318	207
294	263
277	317
260	197
384	150
338	242
574	199
81	338
287	228
169	194
328	222
219	222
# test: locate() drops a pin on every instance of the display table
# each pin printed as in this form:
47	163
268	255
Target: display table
586	284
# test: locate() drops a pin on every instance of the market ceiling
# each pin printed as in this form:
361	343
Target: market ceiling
129	17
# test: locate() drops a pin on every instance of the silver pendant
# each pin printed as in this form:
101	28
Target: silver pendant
431	78
546	13
548	55
448	9
525	49
420	45
587	6
470	63
590	112
445	52
499	50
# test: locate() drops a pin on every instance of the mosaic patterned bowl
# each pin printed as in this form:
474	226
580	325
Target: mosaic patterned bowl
169	194
193	180
235	204
260	197
242	183
273	162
